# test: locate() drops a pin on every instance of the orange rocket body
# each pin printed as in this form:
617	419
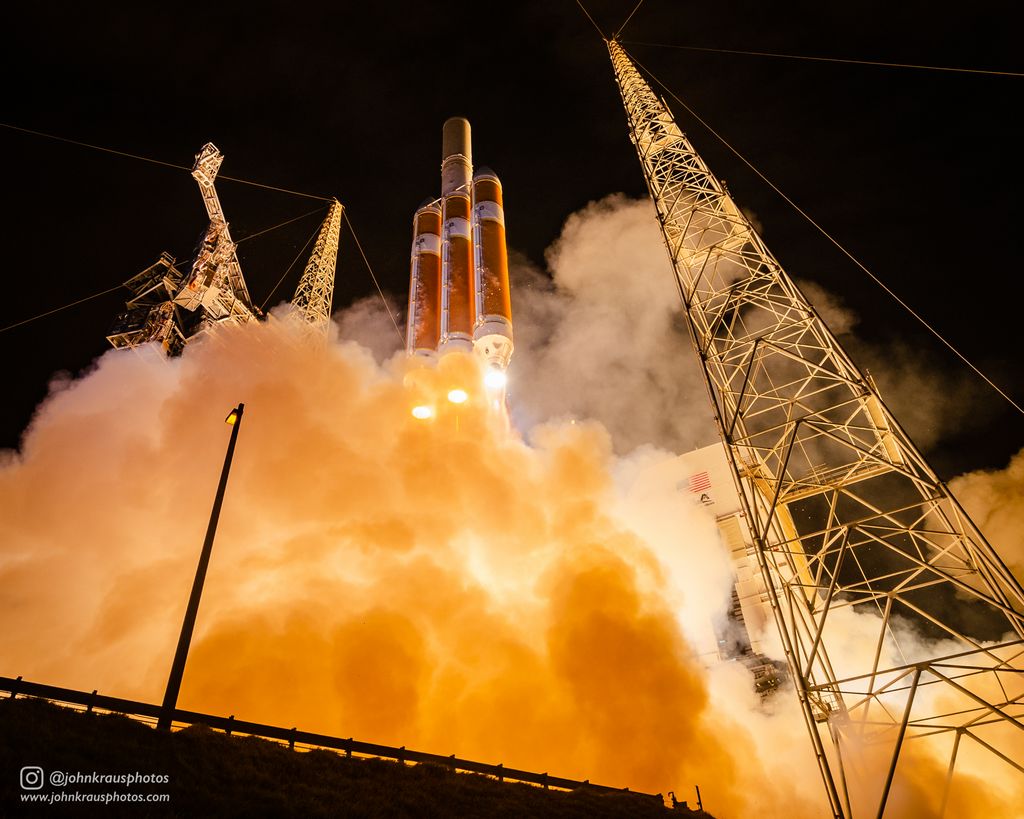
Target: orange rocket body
459	296
457	313
424	326
492	328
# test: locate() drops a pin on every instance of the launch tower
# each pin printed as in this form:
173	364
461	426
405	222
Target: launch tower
847	520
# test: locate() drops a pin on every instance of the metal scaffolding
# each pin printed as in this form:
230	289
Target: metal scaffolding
215	284
852	530
170	307
150	314
316	287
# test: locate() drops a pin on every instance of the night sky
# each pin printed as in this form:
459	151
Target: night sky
916	172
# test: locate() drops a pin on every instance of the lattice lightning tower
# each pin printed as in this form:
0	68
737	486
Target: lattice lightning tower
850	526
316	287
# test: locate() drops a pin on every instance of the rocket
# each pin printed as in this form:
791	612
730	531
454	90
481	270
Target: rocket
458	286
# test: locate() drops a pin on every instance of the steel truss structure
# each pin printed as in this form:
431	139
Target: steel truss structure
150	314
215	283
171	308
315	292
858	541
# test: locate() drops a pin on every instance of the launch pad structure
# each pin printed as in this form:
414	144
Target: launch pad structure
846	519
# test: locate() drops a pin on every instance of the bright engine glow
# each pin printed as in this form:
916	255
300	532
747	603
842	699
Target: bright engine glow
422	412
458	396
495	379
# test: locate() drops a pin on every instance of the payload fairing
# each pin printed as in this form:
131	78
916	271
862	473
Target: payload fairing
458	290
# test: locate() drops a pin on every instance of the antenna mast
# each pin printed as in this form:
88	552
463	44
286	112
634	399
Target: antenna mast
847	521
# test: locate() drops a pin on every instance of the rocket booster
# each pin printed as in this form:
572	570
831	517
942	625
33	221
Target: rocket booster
492	330
456	240
424	328
458	291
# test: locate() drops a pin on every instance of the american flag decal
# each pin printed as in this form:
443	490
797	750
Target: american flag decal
700	482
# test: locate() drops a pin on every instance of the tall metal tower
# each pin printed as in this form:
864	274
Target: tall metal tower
215	283
316	287
850	526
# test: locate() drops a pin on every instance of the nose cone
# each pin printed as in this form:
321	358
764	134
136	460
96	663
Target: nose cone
455	139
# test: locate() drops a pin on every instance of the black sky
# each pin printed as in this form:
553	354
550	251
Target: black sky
916	172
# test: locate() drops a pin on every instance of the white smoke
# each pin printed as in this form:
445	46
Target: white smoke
604	337
371	323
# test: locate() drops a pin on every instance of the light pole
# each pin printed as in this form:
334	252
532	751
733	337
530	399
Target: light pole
185	638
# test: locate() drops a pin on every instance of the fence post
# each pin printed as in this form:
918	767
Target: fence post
92	699
291	740
231	722
451	763
544	779
501	771
15	687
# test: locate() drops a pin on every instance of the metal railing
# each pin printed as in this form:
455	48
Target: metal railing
149	712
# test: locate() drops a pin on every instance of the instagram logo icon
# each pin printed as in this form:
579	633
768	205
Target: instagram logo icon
31	778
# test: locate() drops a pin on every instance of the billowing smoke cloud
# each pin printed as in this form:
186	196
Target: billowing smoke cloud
604	337
446	585
442	585
373	325
995	501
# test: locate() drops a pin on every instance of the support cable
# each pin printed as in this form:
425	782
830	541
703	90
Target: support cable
833	240
289	269
272	187
159	162
591	19
280	225
384	301
615	36
119	286
64	307
827	59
